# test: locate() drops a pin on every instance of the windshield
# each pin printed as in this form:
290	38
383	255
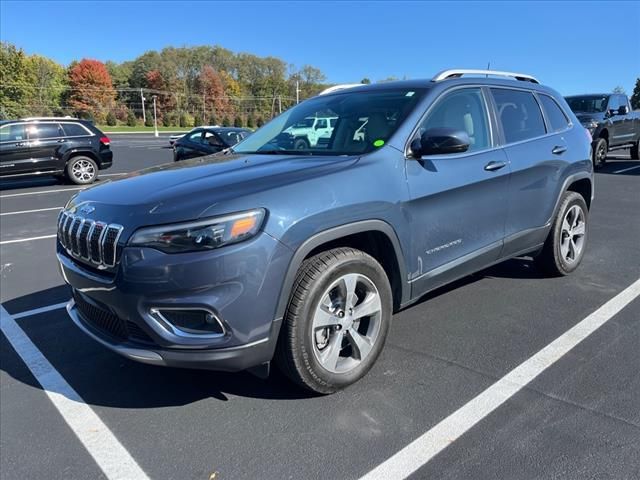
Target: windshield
588	103
348	123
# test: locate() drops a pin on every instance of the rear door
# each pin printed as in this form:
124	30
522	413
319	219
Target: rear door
45	140
15	155
458	202
538	159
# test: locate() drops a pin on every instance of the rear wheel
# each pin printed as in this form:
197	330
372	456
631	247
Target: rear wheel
82	170
565	245
337	320
600	152
635	155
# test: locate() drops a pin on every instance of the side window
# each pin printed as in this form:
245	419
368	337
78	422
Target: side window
195	137
622	101
42	131
74	130
211	139
613	103
463	110
13	133
519	114
321	123
557	119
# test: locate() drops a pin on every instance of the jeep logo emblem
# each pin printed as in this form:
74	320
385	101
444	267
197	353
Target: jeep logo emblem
87	209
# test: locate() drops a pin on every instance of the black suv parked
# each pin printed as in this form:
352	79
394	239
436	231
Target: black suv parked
65	147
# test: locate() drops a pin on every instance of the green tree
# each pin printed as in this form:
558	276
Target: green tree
250	122
132	121
365	81
618	89
14	81
197	120
226	122
237	122
213	120
259	122
635	96
148	118
111	119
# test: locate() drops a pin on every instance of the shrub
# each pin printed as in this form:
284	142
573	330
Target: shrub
213	120
197	120
170	119
132	121
112	121
226	122
149	119
186	120
237	122
250	122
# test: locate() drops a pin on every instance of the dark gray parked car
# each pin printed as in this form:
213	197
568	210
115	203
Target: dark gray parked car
223	262
611	122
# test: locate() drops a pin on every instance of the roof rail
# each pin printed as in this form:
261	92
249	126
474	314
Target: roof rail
344	86
31	119
458	72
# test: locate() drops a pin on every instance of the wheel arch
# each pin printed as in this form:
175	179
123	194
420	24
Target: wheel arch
580	182
80	153
375	237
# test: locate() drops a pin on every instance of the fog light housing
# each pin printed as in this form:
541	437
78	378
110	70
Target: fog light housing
189	322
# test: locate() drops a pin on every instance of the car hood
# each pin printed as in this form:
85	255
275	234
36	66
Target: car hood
194	188
589	117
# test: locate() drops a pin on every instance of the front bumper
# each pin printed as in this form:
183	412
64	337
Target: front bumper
230	359
239	283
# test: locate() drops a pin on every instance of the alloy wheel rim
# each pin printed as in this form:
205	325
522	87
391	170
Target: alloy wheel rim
346	323
602	153
572	234
83	170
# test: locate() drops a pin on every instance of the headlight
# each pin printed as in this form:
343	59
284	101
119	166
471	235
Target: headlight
202	234
591	126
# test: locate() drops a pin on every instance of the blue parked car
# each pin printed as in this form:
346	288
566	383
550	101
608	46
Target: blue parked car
266	251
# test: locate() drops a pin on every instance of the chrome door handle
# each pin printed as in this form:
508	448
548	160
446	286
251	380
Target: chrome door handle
559	149
493	166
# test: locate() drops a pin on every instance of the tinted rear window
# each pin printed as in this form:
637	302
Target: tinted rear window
519	114
13	133
557	119
74	130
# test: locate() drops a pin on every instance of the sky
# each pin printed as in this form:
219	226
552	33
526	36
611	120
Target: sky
574	47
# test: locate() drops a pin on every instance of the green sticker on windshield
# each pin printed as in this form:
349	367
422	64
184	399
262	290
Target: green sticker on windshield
378	143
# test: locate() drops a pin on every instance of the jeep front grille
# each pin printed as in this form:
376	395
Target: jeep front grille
89	240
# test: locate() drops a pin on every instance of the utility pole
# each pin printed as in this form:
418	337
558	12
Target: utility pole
297	91
279	104
144	115
204	109
155	116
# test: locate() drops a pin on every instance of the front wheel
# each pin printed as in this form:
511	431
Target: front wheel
564	248
600	149
301	144
337	320
635	154
82	170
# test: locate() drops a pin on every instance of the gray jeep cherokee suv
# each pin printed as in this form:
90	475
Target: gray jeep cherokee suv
263	252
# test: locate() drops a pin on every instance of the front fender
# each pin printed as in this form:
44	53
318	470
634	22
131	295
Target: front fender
336	233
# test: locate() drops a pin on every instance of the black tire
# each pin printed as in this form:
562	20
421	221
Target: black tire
84	179
551	259
599	154
301	144
635	154
294	354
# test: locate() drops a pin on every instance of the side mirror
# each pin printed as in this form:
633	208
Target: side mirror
623	110
440	141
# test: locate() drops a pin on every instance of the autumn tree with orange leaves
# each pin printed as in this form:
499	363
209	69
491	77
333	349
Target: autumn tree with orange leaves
216	101
91	90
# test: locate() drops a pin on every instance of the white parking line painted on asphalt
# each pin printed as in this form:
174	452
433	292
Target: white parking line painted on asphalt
112	174
30	211
42	192
112	458
424	448
20	240
627	169
37	311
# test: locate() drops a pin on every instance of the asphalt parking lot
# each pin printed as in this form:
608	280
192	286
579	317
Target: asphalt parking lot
579	418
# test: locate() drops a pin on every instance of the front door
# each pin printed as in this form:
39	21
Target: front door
458	202
14	149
